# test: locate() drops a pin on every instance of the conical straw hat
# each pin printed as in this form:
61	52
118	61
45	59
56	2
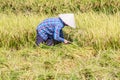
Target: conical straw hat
68	19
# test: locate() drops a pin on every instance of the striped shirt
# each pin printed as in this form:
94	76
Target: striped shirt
51	28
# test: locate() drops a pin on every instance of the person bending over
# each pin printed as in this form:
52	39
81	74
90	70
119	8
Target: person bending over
50	30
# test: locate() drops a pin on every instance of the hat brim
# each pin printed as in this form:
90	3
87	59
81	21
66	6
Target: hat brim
68	19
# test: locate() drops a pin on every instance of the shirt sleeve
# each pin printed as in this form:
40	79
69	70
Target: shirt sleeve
61	34
57	32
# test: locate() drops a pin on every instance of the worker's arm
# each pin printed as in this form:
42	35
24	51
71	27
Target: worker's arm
61	34
59	37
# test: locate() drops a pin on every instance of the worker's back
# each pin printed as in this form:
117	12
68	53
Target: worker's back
48	27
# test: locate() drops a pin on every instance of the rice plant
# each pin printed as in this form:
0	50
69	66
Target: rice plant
55	7
99	31
93	55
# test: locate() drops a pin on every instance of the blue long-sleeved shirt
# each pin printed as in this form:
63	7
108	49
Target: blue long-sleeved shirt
51	27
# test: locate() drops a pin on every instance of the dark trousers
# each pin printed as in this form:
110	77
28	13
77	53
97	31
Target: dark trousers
39	40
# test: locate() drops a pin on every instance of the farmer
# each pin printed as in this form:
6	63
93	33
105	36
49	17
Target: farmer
50	30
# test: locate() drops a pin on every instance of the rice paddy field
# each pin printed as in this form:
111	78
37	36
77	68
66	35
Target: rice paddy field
93	55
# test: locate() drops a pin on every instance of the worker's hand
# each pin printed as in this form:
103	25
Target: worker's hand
67	42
